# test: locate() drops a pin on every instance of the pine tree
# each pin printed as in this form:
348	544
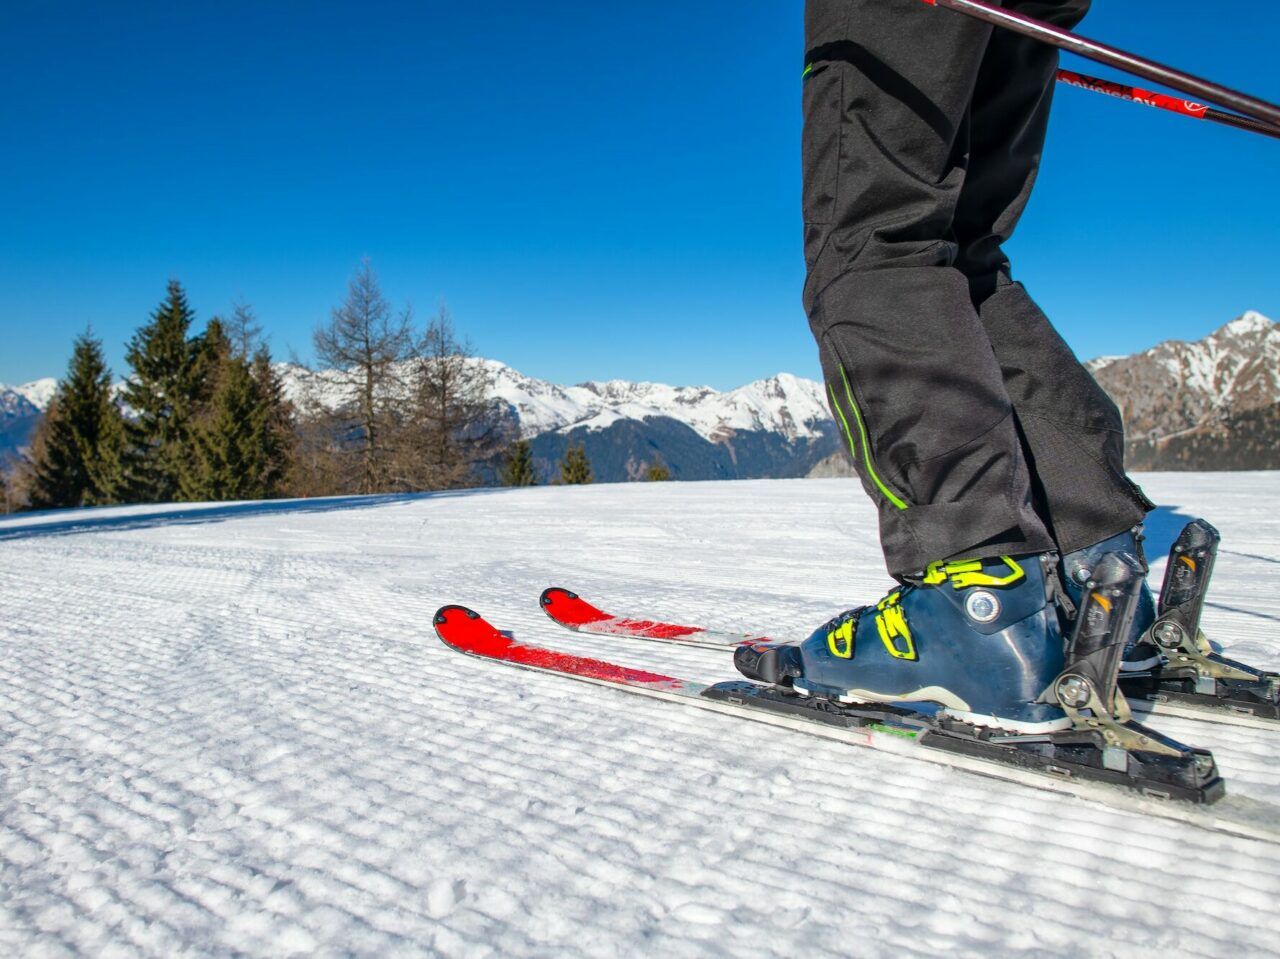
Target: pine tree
279	436
229	447
575	468
211	350
518	470
164	394
211	360
241	440
76	453
56	473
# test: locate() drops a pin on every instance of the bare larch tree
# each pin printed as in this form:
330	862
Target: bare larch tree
450	423
364	346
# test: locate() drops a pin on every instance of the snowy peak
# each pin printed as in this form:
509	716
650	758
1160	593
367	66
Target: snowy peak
37	394
784	404
14	405
1177	387
1247	323
20	411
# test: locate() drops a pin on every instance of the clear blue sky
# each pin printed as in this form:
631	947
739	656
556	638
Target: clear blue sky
598	190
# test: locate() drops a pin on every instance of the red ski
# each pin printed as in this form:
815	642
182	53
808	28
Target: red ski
468	632
573	612
885	727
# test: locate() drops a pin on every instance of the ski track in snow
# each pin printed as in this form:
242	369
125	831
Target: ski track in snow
232	731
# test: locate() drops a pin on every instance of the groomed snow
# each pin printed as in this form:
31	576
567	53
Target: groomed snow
230	730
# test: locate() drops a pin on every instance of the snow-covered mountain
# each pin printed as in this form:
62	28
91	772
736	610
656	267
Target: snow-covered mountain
39	393
1210	404
773	427
785	404
776	427
20	410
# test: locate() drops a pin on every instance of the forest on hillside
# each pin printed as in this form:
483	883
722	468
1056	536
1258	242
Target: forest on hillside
202	414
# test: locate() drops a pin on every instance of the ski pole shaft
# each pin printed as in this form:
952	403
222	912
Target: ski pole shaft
1163	101
1114	57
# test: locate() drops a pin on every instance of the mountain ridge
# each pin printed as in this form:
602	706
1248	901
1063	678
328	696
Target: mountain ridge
1211	403
1206	404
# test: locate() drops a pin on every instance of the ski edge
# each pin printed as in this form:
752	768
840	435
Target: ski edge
1255	820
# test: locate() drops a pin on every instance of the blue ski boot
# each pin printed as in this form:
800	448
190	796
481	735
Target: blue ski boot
979	638
971	658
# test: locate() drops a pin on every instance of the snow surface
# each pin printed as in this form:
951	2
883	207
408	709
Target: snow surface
229	730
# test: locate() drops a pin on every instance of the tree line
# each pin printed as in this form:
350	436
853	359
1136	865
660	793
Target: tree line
206	418
392	405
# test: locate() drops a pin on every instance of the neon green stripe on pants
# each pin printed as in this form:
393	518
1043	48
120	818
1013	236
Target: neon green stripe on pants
862	432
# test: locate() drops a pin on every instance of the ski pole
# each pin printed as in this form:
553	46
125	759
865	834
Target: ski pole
1163	101
1114	57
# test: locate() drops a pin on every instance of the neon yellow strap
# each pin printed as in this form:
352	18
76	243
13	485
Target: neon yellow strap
840	640
891	623
964	573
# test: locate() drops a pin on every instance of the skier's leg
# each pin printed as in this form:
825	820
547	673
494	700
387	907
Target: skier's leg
910	372
1072	430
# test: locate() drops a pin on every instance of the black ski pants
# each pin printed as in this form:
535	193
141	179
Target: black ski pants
971	423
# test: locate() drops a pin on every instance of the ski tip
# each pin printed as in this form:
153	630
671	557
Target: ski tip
553	594
445	613
570	610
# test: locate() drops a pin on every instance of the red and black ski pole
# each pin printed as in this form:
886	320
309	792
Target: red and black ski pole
1162	101
1267	114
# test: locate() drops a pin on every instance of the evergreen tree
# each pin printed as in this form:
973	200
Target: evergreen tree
210	367
518	470
76	453
279	437
658	472
212	350
242	435
575	468
164	394
55	472
229	445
